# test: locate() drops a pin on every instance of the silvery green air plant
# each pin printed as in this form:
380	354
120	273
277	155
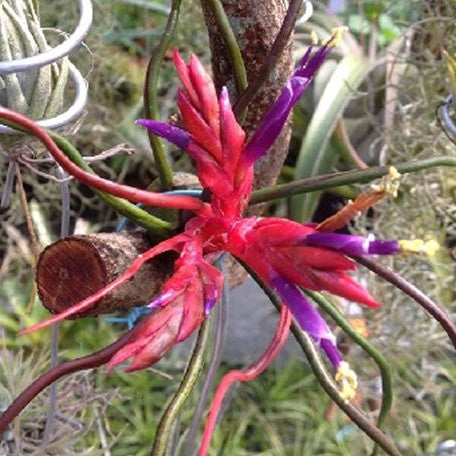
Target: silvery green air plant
38	93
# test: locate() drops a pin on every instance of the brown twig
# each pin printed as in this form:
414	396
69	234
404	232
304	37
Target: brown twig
34	243
426	303
86	362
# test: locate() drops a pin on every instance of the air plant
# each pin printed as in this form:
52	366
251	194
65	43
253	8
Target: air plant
288	257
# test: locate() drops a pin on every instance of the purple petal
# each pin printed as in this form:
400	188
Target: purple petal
332	352
307	317
173	134
275	119
383	247
273	122
305	58
211	297
208	305
351	244
308	68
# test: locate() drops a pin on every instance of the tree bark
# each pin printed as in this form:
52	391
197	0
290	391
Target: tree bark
255	24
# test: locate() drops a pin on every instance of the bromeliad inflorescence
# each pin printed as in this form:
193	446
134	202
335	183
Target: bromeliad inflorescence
286	255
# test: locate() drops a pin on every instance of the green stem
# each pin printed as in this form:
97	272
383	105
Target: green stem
132	212
348	177
214	362
121	206
387	379
326	381
151	109
188	383
356	415
232	46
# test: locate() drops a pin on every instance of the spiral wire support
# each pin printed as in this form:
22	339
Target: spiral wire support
53	55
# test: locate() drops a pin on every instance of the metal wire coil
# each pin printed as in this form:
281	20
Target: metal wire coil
52	55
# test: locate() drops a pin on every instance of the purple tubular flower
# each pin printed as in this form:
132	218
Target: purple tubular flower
211	297
308	318
208	305
332	352
174	135
351	244
275	118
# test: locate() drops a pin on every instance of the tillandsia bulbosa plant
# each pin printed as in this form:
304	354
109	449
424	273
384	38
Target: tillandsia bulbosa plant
180	273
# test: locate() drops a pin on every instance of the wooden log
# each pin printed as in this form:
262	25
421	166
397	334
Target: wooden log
75	267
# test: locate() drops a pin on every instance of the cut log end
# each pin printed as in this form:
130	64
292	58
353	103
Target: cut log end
69	271
73	268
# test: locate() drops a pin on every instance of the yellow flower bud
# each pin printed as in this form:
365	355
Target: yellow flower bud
389	184
347	380
419	246
336	36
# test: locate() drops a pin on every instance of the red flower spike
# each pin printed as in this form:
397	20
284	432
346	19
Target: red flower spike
302	274
301	265
182	308
317	258
285	254
281	232
200	131
341	284
184	76
232	138
204	86
152	338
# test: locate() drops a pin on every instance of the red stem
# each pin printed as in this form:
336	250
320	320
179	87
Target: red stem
164	246
86	362
245	375
123	191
